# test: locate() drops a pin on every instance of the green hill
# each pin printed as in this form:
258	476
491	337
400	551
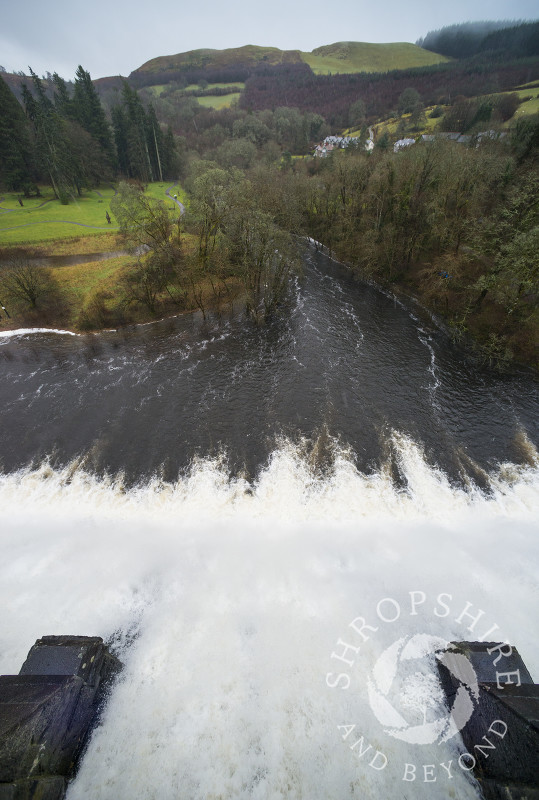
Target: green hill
365	57
344	57
215	59
226	69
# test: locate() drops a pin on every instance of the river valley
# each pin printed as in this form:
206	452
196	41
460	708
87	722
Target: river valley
220	501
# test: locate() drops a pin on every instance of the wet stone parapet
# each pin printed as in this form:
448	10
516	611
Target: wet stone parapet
501	737
47	713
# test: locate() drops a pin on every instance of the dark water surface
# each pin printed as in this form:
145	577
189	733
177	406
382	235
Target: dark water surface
345	362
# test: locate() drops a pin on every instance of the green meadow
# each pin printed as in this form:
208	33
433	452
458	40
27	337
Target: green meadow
208	101
194	86
219	101
157	89
348	57
45	219
82	280
528	106
48	228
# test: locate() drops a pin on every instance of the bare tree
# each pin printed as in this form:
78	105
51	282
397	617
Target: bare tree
25	280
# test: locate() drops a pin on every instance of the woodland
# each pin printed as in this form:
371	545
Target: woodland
455	225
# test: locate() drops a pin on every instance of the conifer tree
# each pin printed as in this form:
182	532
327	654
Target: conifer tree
16	172
169	155
136	135
62	101
69	156
155	143
119	126
49	147
89	112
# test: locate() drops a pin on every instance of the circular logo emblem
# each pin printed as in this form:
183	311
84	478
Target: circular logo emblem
406	697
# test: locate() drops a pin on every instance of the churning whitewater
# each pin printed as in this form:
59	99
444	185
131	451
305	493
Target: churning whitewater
222	504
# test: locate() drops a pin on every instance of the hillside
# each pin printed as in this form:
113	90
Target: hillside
348	57
468	39
216	59
332	95
340	57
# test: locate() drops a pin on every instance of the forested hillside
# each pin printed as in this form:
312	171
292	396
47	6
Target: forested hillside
513	40
451	220
332	95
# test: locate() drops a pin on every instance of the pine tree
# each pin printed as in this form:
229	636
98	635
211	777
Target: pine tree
155	143
170	161
73	145
62	101
119	126
137	135
53	151
16	172
89	113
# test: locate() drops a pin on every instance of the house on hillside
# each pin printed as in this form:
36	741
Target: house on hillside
400	144
331	143
452	136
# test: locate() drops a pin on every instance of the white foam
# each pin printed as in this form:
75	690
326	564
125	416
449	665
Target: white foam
239	594
29	331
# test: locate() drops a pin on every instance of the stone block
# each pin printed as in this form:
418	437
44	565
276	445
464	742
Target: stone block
46	788
83	656
47	712
502	734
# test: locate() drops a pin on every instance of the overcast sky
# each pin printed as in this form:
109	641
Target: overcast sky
111	37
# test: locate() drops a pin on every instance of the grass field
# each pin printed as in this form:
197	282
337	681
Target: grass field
81	245
347	57
158	190
42	229
209	101
157	89
219	101
194	86
82	280
530	106
45	219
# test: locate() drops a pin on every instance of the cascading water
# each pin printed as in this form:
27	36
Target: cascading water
342	463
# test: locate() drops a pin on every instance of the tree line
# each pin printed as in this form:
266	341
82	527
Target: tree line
455	225
60	136
331	95
184	76
516	40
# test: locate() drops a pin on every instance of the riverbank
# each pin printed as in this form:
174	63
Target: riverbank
482	332
83	290
90	297
481	325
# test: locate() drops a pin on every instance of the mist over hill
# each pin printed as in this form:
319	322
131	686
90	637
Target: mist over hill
516	38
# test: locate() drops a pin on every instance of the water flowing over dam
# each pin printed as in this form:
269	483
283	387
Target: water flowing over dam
220	502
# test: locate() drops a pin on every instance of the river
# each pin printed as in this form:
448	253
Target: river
219	502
